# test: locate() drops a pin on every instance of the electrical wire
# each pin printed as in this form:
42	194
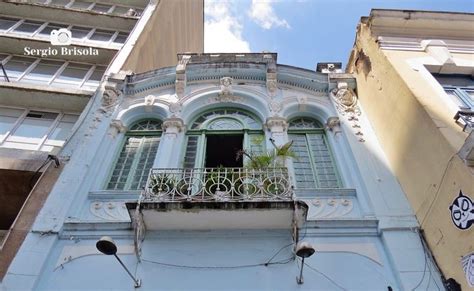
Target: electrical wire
285	261
48	159
325	276
424	272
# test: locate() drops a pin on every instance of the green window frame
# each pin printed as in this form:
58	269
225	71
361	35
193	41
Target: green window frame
136	157
221	121
314	166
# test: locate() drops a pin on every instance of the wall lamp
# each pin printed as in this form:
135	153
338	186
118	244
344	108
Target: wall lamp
107	246
303	250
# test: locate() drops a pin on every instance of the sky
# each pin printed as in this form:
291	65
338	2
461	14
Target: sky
302	32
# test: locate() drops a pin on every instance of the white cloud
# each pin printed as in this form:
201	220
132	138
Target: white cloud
262	13
222	29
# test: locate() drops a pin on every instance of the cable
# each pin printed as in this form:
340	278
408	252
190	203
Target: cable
279	252
285	261
325	276
37	171
437	191
424	268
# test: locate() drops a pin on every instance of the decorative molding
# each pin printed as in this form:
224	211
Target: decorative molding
173	125
276	124
110	97
180	83
226	93
275	107
116	126
175	108
324	208
226	86
109	210
149	101
346	102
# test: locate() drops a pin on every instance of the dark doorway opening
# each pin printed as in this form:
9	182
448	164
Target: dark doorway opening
221	151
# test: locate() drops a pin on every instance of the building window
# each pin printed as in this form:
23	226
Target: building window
216	137
51	72
136	156
33	129
314	165
459	88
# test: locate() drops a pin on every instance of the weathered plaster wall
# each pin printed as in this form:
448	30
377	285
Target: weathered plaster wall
175	27
420	140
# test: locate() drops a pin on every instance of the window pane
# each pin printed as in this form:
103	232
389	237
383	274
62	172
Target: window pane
325	170
121	37
60	3
124	163
102	35
80	4
95	78
43	71
470	94
17	65
47	30
101	8
120	10
74	73
6	23
35	125
145	161
8	117
28	27
302	163
63	129
80	32
455	98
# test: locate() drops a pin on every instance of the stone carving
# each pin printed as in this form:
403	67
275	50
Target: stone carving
180	83
468	267
333	122
116	126
173	125
175	108
346	102
110	210
149	100
276	124
226	86
275	107
272	84
110	97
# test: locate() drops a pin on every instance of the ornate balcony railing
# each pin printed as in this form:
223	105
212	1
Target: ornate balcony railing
218	184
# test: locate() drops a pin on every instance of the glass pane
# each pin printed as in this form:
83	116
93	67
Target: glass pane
8	117
191	151
456	99
35	124
47	30
74	73
28	26
6	23
63	129
124	163
302	163
325	170
145	162
470	94
17	65
120	10
121	37
80	32
78	4
60	3
102	35
95	78
43	71
101	8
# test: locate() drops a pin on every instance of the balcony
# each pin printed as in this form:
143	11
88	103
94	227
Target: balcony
218	198
218	184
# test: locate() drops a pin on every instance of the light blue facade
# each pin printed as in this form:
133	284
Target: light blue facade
364	232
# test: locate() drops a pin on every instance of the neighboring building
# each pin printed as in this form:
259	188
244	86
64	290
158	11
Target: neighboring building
171	164
414	73
47	90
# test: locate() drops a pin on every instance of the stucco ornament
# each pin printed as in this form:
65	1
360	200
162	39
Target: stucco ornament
173	125
468	267
116	126
175	108
226	86
110	97
272	84
275	107
346	103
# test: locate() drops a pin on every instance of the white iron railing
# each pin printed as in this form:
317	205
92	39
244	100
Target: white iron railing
218	184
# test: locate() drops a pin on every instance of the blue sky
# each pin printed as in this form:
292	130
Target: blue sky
302	32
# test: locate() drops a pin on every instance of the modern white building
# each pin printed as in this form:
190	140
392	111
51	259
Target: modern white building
53	56
178	166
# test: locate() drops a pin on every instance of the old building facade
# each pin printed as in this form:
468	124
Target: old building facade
414	72
211	173
53	56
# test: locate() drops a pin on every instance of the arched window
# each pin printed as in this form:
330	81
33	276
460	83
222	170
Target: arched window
314	166
137	156
215	137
